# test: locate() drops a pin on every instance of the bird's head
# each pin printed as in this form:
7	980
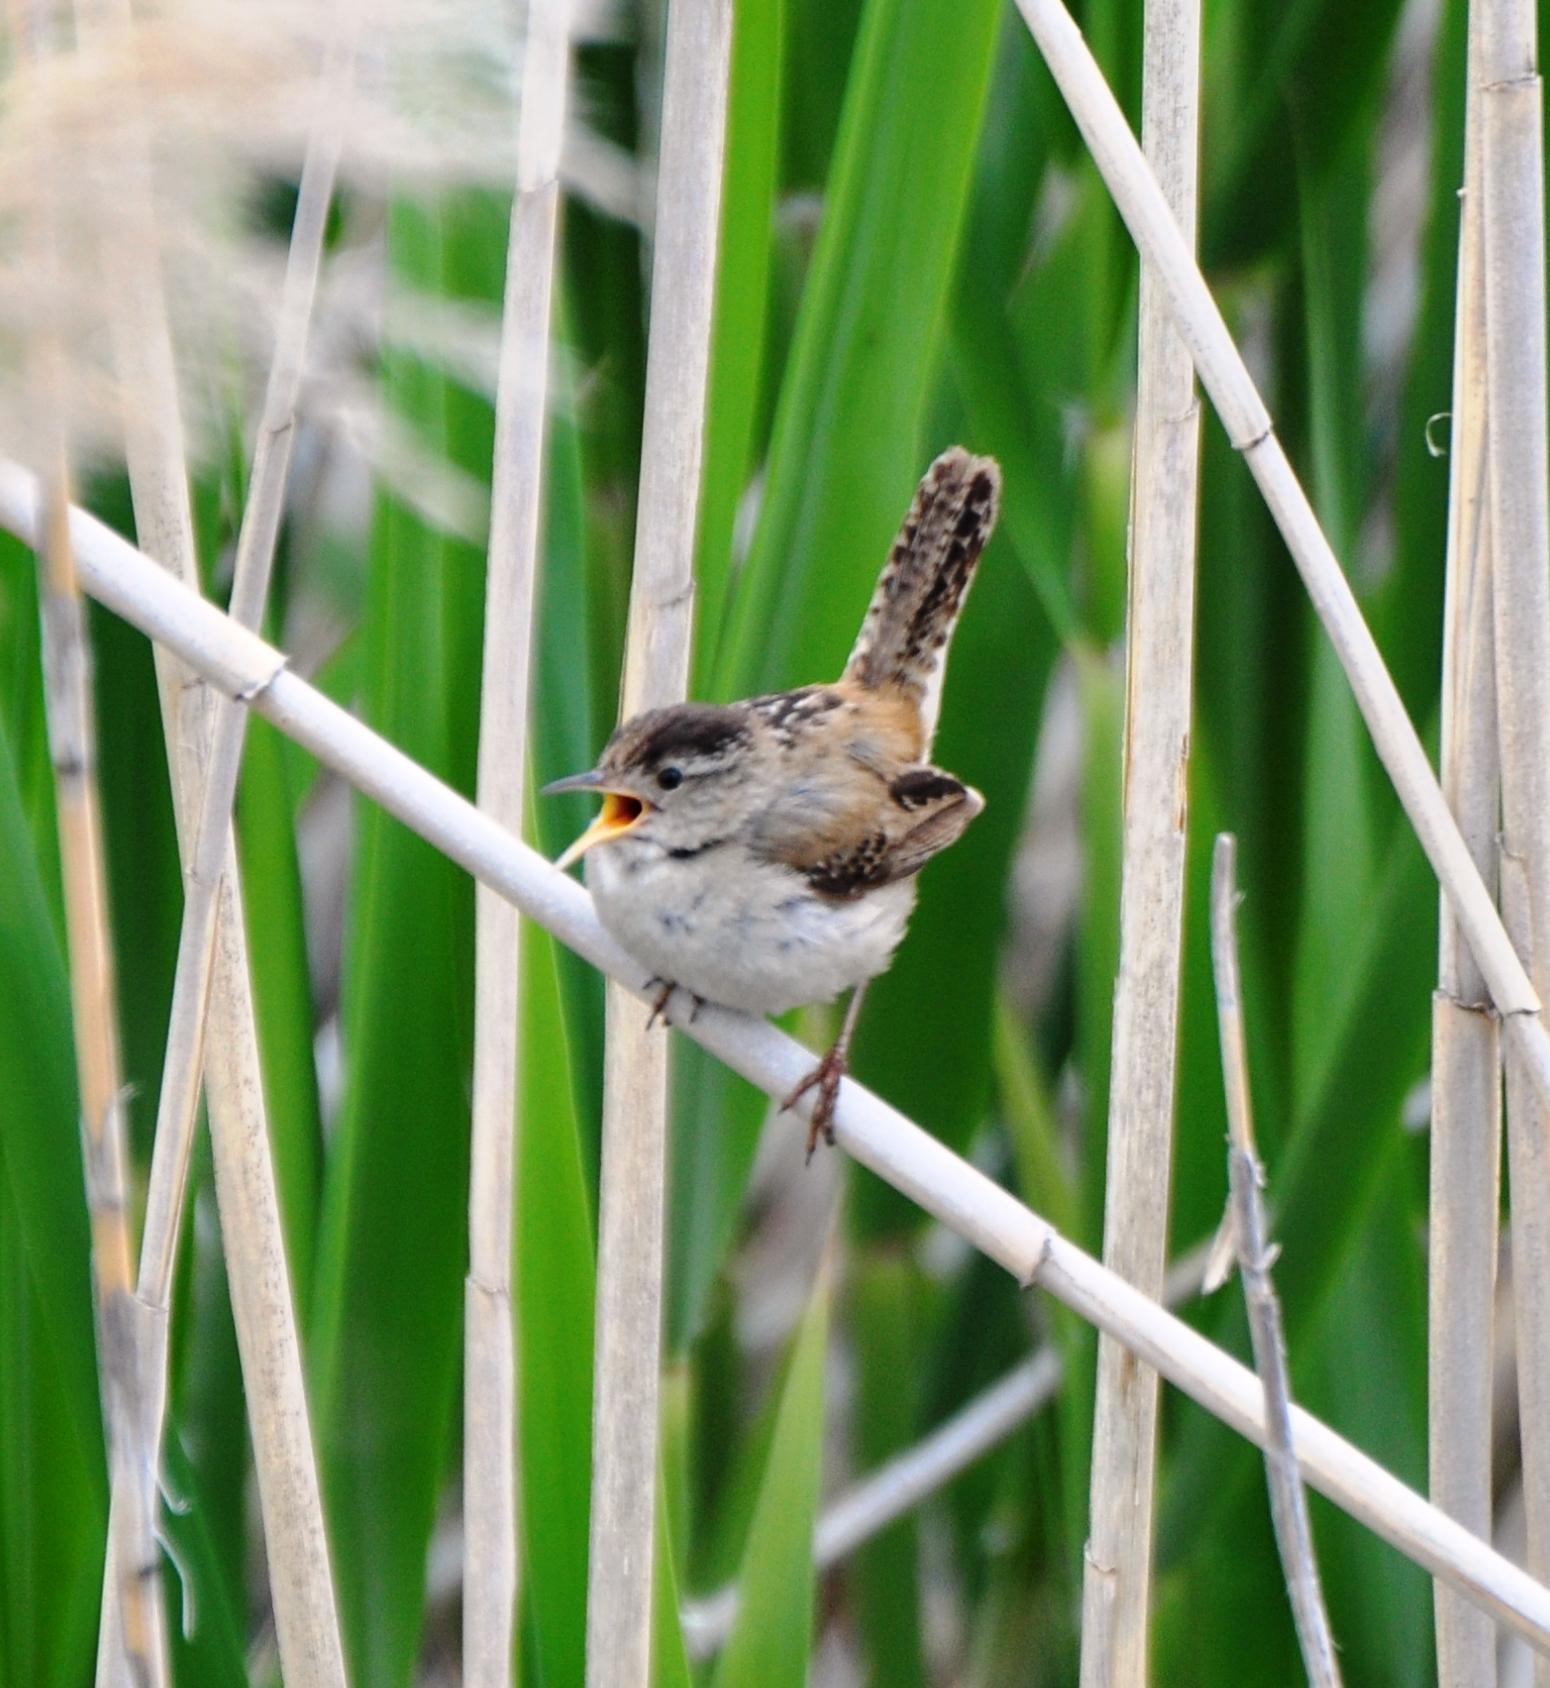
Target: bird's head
676	778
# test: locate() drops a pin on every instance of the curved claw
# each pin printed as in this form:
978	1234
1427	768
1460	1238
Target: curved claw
825	1078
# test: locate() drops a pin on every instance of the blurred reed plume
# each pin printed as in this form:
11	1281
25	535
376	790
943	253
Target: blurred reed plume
201	109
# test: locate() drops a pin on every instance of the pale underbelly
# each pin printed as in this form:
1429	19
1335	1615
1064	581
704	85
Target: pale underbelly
755	938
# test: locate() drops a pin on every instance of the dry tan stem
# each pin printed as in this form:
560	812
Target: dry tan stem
1466	1045
135	1649
490	1398
1288	1504
296	1546
301	1585
179	1095
256	541
1159	652
1225	377
629	1290
1512	203
878	1136
132	1643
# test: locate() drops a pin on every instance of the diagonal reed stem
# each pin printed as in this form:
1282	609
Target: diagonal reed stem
490	1506
1159	644
878	1136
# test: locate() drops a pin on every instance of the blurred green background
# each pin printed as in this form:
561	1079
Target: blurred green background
915	250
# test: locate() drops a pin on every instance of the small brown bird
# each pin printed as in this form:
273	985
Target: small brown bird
763	854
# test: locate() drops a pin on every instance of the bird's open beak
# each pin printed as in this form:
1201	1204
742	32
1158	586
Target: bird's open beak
619	813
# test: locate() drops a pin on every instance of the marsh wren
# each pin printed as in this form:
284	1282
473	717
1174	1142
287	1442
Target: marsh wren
762	855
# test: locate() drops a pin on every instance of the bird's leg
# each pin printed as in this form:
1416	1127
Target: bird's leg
826	1076
664	997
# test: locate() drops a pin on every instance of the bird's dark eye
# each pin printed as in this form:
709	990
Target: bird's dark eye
670	778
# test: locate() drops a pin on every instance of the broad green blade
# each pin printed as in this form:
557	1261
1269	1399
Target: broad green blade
1251	675
772	1636
1404	608
716	1121
737	359
1338	842
1101	687
821	54
564	739
1018	382
887	1327
560	1054
53	1493
603	305
145	882
555	1274
1365	1368
739	1441
670	1658
847	449
203	1599
1313	62
1340	860
208	1468
387	1323
282	991
1041	1176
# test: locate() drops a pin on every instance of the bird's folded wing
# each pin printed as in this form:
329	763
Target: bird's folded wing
847	850
939	807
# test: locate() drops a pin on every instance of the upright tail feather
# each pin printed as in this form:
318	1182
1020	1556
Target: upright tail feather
903	640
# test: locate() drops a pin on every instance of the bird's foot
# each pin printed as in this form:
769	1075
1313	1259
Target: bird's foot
825	1079
664	997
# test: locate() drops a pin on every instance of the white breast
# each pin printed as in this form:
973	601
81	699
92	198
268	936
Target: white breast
743	932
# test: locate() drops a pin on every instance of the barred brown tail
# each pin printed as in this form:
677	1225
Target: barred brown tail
904	638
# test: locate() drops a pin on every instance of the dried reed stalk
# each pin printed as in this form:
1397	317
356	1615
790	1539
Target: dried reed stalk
1226	379
656	671
1159	670
1288	1504
878	1136
1508	91
132	1647
301	1585
1466	1044
178	1099
133	1651
489	1365
256	541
